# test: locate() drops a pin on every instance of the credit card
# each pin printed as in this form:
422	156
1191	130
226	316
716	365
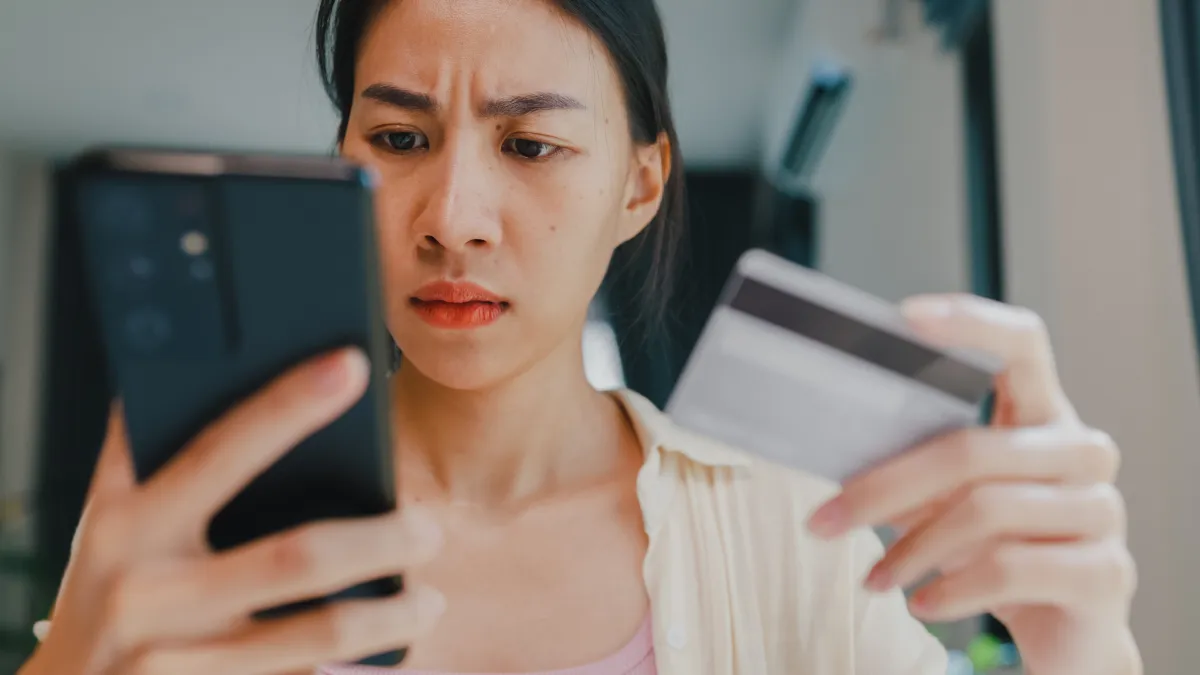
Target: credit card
817	375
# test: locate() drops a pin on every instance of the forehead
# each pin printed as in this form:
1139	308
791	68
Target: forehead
500	47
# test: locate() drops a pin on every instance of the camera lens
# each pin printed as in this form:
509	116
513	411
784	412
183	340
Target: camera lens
130	271
201	269
147	329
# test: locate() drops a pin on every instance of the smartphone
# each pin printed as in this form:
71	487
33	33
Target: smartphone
817	375
210	274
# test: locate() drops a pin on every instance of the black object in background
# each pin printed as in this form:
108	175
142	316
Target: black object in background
812	129
728	212
212	274
1181	52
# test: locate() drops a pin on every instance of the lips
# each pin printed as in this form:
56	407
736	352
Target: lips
457	305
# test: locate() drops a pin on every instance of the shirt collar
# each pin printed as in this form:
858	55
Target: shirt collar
658	433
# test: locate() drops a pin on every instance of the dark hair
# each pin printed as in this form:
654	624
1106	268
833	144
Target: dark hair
632	32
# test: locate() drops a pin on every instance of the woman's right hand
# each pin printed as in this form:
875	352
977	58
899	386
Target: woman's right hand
145	595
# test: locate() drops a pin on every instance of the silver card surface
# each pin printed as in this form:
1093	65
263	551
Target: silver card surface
817	375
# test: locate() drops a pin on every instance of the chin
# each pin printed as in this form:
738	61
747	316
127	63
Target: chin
461	364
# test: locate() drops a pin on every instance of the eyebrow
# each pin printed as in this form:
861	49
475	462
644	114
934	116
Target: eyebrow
527	104
511	106
400	98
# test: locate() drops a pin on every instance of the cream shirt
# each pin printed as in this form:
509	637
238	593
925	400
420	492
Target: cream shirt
737	585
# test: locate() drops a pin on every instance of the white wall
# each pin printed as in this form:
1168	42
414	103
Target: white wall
8	200
1093	243
892	188
238	74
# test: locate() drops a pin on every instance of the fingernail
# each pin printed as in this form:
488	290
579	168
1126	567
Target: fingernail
925	307
332	372
921	603
430	602
829	520
879	580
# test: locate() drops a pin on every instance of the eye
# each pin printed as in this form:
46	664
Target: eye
400	141
527	149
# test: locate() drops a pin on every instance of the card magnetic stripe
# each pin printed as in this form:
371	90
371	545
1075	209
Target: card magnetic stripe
900	355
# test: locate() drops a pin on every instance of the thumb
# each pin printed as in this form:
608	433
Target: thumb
113	477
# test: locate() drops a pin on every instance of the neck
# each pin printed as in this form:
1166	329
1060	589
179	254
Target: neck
522	439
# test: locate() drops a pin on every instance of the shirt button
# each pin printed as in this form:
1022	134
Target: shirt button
676	637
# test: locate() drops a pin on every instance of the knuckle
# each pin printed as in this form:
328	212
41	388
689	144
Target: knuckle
1102	453
394	552
1111	572
965	453
343	626
1029	323
374	624
1113	513
1122	569
1005	568
297	554
397	618
1032	334
981	508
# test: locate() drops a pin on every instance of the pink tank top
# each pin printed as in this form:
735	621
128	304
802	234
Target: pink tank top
635	658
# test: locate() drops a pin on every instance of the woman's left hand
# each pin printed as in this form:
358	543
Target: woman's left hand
1020	519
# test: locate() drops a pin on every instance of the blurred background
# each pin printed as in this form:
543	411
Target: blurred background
1043	152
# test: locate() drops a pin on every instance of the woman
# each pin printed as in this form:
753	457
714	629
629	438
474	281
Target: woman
518	144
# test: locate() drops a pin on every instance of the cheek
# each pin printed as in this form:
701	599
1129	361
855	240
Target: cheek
571	221
576	201
563	257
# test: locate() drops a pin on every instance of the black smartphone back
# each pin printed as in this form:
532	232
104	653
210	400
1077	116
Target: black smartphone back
212	274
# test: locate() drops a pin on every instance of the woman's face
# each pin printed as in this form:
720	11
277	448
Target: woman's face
499	131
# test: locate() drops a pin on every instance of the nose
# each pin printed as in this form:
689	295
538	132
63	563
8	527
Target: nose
458	212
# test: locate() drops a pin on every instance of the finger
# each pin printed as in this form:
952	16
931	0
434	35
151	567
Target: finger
308	562
996	512
1077	577
933	471
1017	336
341	631
914	518
243	443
